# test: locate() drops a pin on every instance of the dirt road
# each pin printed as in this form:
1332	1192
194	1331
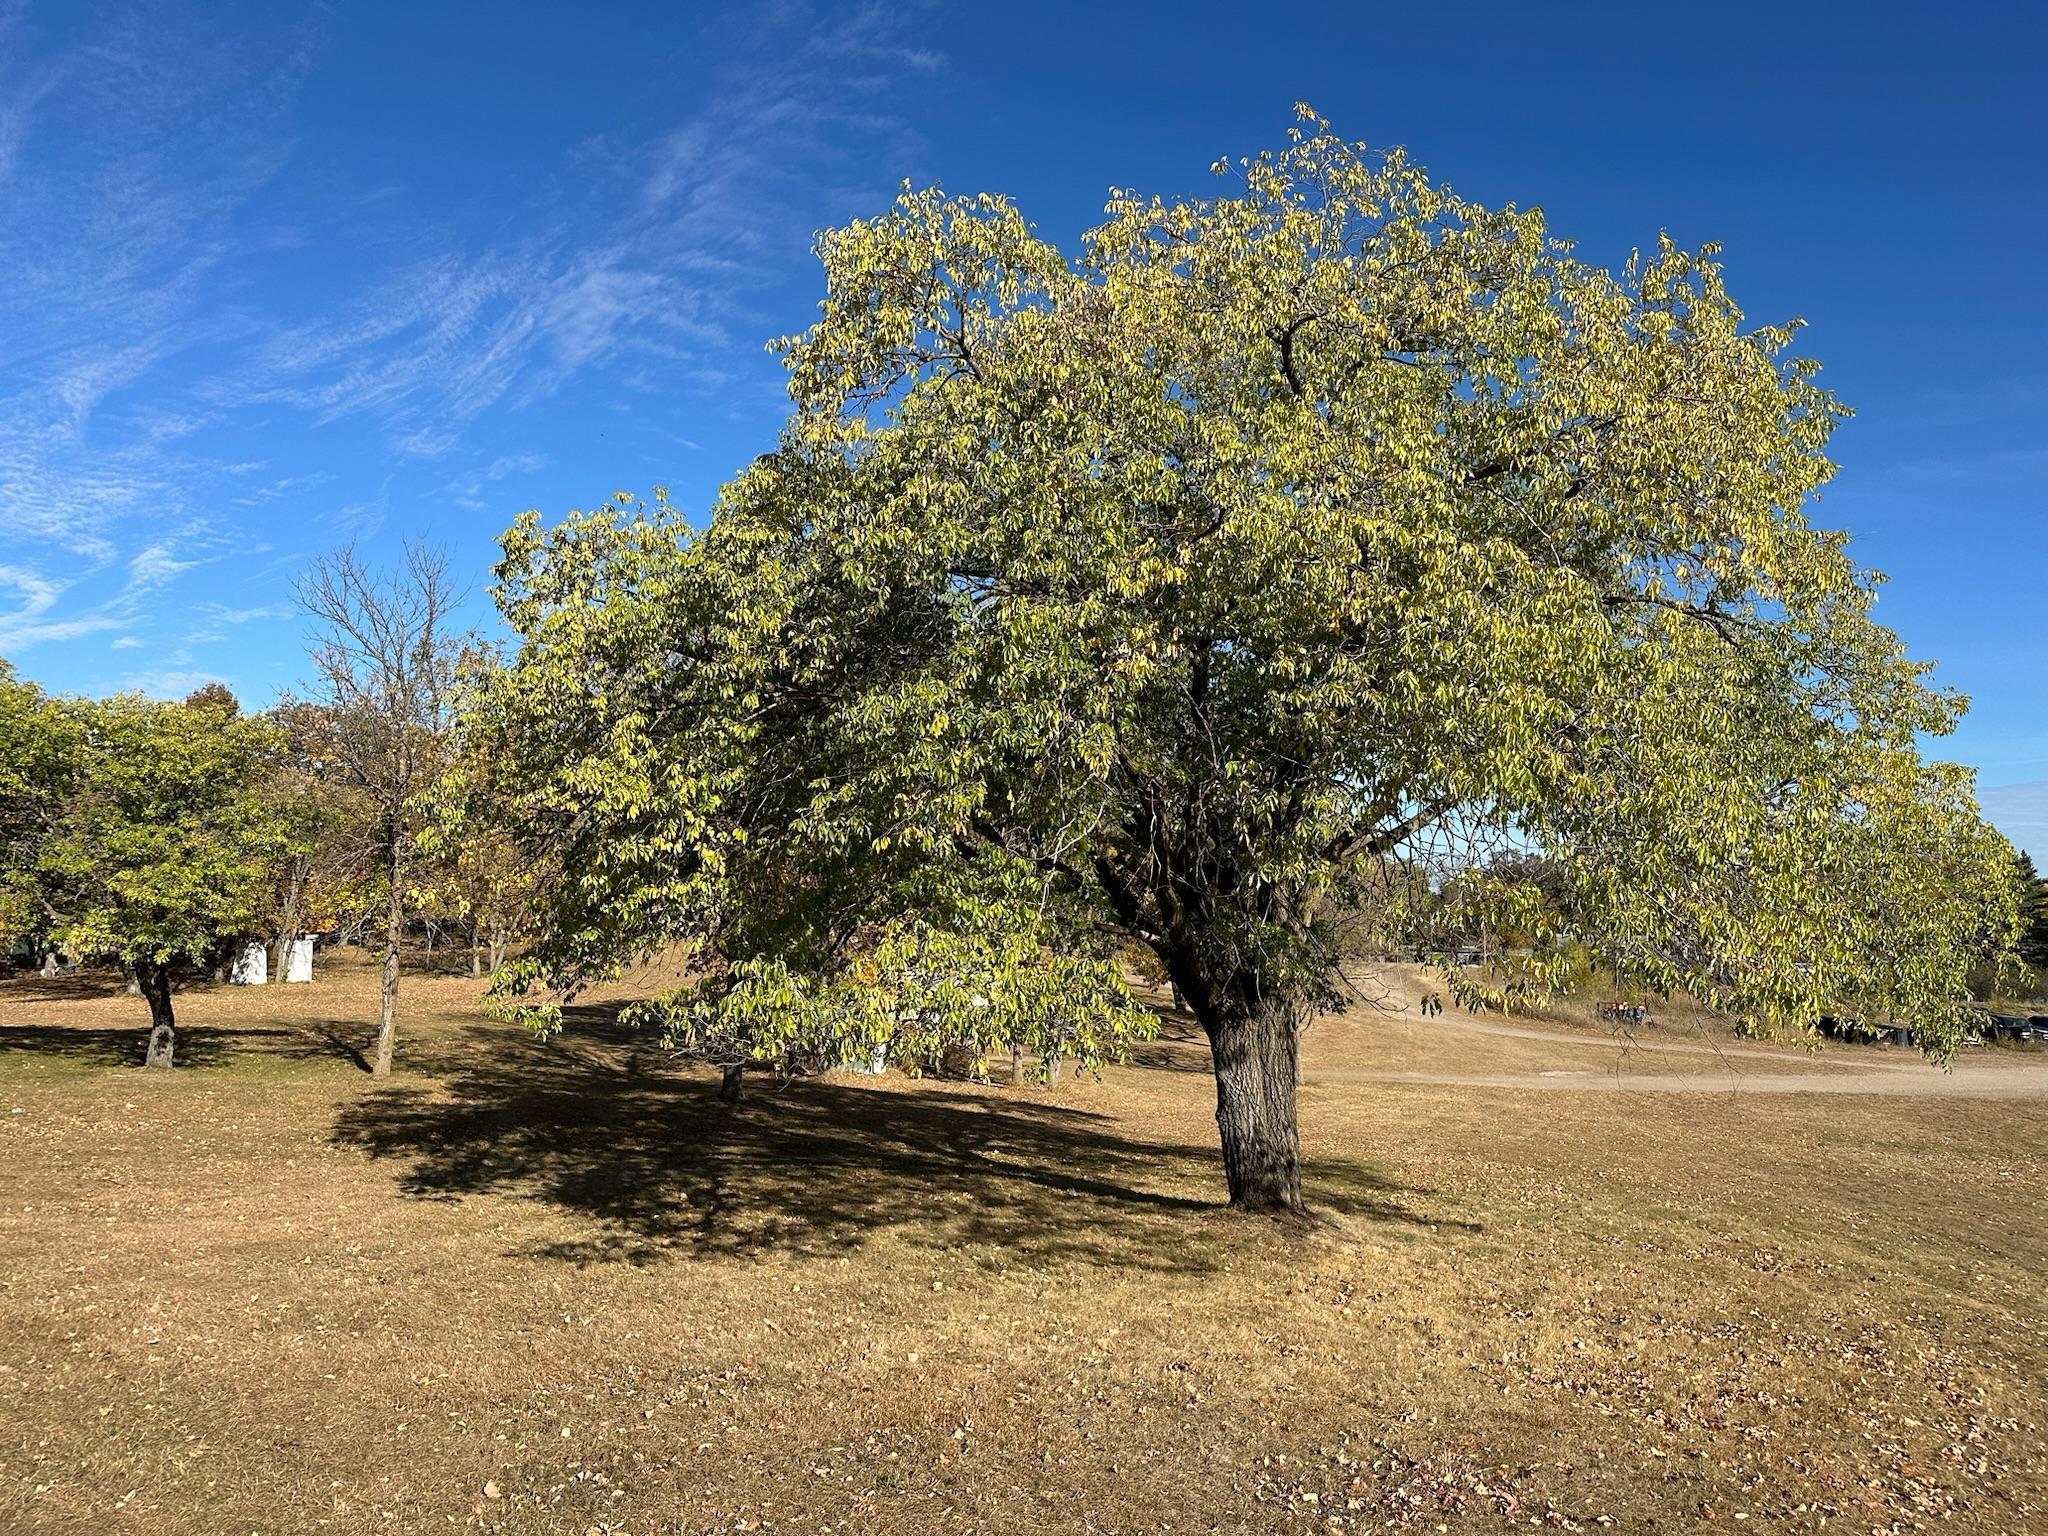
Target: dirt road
1711	1066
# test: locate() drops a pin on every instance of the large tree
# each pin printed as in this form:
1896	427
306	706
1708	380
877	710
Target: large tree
1192	586
138	832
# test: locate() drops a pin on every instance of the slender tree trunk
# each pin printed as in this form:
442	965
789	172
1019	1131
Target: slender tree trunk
288	920
476	952
1256	1052
394	931
732	1086
497	947
163	1024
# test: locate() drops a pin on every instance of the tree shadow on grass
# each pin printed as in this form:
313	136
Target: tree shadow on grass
66	987
200	1047
1179	1047
115	1047
815	1166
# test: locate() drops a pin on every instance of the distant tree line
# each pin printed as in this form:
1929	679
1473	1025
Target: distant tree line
2033	940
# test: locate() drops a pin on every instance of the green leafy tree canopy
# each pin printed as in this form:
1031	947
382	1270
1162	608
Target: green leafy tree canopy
145	839
1186	589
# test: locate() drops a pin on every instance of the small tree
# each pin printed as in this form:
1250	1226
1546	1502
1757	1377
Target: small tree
326	833
484	877
385	659
476	866
149	842
1186	585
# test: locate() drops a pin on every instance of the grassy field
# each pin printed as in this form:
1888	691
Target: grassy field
560	1288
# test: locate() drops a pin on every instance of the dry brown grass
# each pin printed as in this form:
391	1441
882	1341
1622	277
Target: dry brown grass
546	1288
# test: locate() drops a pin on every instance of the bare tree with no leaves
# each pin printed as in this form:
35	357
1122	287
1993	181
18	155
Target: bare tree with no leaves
385	660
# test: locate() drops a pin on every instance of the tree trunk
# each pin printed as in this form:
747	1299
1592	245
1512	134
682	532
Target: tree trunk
497	947
288	919
394	931
732	1084
476	955
1256	1052
163	1024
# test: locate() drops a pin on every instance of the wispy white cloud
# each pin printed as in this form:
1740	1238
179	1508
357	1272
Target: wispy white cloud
214	622
31	620
468	491
2020	811
35	621
126	152
140	160
168	682
648	252
154	566
225	615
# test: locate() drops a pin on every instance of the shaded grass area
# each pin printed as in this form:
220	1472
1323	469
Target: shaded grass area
541	1287
816	1166
198	1048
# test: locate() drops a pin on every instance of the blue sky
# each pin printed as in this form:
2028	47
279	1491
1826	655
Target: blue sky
273	277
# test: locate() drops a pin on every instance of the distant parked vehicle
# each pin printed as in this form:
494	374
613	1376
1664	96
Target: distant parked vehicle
1624	1013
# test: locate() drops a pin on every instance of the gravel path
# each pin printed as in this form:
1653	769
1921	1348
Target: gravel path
2017	1081
1725	1069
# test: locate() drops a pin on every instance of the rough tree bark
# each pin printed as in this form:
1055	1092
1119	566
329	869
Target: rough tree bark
1254	1033
1255	1046
163	1024
732	1084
